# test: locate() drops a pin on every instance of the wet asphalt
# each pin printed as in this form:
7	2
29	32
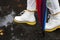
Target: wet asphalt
13	31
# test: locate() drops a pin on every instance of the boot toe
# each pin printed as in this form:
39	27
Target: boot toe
17	19
50	28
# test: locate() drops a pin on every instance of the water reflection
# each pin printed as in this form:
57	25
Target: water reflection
6	20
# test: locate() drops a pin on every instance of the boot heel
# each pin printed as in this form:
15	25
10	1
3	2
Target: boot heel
59	26
31	23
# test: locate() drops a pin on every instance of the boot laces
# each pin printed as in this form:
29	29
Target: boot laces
21	12
52	18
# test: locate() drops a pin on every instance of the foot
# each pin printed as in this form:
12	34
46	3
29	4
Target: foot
27	17
53	23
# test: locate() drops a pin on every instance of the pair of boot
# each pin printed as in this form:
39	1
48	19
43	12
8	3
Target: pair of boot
29	18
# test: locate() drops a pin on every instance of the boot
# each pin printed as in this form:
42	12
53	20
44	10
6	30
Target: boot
28	17
54	21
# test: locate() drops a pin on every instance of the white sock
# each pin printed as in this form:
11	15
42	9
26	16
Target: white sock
53	6
31	5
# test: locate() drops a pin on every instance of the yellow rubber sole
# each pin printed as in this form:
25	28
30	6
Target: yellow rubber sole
29	23
51	30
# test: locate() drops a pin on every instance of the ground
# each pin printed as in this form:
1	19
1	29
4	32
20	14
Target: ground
12	30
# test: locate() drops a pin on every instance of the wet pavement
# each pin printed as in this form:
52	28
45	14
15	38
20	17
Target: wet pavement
55	35
14	31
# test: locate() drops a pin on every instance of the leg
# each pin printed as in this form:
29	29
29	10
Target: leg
31	5
53	6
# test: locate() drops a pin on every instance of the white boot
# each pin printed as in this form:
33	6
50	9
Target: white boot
28	17
54	21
